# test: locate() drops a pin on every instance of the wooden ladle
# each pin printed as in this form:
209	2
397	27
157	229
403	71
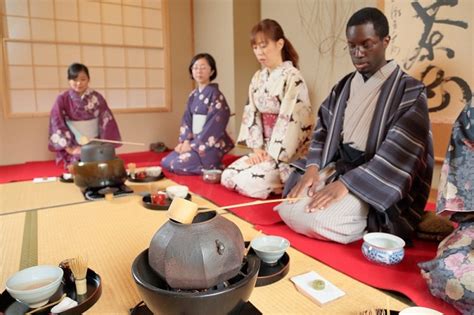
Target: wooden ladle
84	140
184	211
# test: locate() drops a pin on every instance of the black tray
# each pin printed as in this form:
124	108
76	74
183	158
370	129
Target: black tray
146	200
270	273
146	179
247	309
10	306
63	180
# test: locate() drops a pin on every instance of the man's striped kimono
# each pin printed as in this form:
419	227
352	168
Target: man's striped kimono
396	177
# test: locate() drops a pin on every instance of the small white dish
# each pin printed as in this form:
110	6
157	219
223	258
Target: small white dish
64	305
180	191
270	248
67	176
418	310
35	285
383	248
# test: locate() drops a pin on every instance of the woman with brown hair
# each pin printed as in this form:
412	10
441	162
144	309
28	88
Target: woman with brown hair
277	121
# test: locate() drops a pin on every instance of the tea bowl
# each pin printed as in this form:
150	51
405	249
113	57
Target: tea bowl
269	248
153	171
383	248
177	191
212	176
35	285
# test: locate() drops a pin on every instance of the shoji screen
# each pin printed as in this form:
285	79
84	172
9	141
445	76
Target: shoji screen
121	41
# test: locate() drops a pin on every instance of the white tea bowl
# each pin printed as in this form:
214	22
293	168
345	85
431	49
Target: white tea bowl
35	285
269	248
153	171
383	248
177	191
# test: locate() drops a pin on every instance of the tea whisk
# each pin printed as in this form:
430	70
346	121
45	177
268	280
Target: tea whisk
78	266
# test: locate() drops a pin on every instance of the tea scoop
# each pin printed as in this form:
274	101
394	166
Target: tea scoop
47	305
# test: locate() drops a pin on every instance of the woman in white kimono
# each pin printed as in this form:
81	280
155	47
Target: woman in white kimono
277	121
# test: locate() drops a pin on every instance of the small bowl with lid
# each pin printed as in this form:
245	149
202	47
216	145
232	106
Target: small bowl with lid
383	248
212	176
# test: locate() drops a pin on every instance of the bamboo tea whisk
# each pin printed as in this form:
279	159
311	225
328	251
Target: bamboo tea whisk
78	266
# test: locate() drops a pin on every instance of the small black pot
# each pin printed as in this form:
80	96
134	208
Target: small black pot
97	151
161	299
99	174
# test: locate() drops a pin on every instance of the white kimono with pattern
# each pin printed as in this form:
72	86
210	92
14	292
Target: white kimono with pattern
281	91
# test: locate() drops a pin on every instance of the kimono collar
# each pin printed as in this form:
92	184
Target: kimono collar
86	93
213	85
280	68
383	73
75	96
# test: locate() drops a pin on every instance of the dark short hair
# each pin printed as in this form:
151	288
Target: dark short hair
370	15
210	61
74	70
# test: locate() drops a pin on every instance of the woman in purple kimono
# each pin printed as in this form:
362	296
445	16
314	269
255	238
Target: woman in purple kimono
79	112
203	140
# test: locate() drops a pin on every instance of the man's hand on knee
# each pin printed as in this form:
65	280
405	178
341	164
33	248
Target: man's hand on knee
325	197
310	177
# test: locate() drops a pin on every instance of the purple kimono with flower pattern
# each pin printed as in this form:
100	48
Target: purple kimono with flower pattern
211	143
71	106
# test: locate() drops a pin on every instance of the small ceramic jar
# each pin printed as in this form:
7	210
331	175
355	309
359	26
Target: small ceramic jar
383	248
212	176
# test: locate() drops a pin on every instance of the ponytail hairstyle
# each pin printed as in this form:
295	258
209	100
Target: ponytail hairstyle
272	30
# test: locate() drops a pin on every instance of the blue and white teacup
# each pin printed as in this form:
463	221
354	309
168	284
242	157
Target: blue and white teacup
383	248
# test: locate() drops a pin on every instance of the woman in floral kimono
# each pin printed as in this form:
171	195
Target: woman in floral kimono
203	140
277	121
77	112
450	275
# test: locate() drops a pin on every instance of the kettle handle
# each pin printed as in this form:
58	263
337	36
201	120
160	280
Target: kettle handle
220	247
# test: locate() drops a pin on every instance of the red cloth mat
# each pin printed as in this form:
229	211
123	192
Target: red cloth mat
30	170
404	277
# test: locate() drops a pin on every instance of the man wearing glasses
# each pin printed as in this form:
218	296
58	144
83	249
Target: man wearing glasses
370	161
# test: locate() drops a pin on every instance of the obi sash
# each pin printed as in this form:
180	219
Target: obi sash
268	121
88	128
198	123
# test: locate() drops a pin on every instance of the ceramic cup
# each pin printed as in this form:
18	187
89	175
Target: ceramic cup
212	176
177	191
154	171
383	248
270	248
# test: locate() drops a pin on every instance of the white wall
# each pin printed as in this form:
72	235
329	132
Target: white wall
316	28
213	33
